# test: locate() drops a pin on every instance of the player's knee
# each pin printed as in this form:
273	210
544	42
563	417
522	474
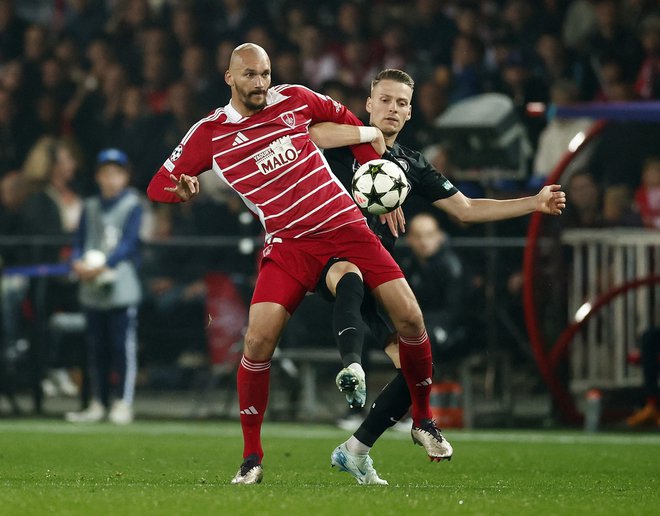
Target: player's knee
337	272
258	346
410	321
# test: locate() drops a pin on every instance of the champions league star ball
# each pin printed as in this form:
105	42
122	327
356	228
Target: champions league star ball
379	186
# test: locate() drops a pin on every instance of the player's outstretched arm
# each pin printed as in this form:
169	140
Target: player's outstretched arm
329	135
550	200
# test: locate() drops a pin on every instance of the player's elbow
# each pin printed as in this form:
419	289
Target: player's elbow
463	214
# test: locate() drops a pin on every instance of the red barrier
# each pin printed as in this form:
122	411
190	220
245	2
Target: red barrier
560	393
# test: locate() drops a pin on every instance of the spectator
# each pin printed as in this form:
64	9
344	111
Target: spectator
647	195
649	415
130	131
233	18
14	288
395	49
186	27
52	210
467	77
157	74
556	62
105	260
350	23
83	19
555	137
12	81
611	39
356	64
520	83
288	66
584	203
262	36
430	102
618	208
433	34
439	155
11	31
196	73
55	81
436	276
172	315
521	22
579	24
15	136
647	85
319	65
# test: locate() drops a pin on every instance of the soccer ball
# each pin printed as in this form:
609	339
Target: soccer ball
379	186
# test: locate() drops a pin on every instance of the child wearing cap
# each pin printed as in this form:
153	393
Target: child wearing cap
105	257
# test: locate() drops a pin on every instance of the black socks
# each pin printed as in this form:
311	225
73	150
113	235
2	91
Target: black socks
347	318
391	405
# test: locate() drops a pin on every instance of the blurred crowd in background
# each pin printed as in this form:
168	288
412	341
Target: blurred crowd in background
78	76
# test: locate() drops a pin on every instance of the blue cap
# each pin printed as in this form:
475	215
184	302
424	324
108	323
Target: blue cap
112	156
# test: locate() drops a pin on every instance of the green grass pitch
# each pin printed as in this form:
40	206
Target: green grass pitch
50	467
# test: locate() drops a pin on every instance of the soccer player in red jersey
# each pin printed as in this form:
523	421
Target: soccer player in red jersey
259	144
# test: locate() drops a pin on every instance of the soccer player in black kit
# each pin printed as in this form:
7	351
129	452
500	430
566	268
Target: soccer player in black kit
389	107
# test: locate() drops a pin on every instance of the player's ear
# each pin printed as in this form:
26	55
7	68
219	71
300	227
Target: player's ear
368	105
409	115
228	78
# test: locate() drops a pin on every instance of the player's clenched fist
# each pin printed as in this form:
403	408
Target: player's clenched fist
551	200
186	187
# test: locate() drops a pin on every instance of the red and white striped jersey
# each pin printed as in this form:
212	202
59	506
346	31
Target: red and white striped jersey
270	160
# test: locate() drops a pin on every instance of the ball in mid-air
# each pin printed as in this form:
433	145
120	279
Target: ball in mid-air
379	186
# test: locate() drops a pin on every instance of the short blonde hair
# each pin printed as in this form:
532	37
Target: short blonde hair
392	74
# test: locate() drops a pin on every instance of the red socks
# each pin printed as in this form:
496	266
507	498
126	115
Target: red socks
417	369
253	381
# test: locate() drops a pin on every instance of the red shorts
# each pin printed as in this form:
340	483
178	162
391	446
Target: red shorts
291	268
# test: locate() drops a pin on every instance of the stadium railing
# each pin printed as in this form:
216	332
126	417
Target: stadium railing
490	253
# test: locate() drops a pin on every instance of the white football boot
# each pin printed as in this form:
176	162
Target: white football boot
360	466
426	434
121	413
250	472
94	413
352	382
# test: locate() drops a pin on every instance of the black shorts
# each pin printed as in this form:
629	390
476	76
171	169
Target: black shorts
373	314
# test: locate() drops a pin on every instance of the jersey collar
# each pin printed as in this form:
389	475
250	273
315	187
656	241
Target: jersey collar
272	97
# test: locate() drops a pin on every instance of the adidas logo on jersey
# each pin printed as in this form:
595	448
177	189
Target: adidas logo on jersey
424	383
250	411
240	138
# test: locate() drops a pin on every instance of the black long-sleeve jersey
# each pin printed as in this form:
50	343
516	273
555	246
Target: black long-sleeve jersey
424	180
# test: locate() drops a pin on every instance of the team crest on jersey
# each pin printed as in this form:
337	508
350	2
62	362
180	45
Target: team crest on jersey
403	164
289	119
279	153
267	250
176	153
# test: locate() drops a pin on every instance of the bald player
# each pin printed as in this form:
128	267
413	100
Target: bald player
259	144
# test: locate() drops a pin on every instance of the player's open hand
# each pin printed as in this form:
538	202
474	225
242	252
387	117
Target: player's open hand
551	200
186	187
395	220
